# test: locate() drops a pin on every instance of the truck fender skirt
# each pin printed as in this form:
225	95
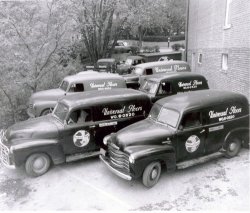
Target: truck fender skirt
144	155
50	147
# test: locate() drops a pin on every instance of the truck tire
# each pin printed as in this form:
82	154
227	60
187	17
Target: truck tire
45	112
151	174
233	147
37	164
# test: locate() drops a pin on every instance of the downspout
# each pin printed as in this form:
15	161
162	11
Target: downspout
186	28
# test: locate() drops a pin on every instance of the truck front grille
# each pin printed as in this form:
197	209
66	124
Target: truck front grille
118	159
31	106
4	154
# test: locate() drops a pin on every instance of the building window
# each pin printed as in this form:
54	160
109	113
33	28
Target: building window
228	14
224	64
193	62
200	58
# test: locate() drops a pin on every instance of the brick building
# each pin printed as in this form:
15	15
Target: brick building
218	42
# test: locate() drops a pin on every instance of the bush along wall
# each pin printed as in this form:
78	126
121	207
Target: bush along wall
164	38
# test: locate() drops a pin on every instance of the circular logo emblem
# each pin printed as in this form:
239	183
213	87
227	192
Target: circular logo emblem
192	143
81	138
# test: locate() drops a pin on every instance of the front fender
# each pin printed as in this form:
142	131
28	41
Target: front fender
21	152
141	156
41	106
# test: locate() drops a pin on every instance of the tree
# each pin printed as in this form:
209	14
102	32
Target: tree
99	23
33	35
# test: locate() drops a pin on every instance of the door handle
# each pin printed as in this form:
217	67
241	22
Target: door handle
202	131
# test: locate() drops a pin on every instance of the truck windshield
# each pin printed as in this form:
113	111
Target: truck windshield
64	86
128	61
164	115
168	116
60	111
154	112
103	63
137	71
149	87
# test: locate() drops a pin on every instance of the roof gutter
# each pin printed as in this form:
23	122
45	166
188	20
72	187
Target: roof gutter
186	28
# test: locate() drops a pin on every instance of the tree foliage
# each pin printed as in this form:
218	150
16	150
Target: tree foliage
42	41
33	35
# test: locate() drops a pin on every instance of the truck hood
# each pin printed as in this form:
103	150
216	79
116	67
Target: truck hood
45	127
131	77
48	95
145	132
123	67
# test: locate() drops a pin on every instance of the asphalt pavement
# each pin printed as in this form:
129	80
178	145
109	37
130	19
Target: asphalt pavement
221	184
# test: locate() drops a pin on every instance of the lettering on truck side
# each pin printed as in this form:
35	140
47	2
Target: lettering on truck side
228	114
104	85
190	85
125	111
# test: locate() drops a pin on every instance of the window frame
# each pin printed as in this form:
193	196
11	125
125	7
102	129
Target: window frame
200	56
224	62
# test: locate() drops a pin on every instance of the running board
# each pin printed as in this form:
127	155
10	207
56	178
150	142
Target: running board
75	157
199	160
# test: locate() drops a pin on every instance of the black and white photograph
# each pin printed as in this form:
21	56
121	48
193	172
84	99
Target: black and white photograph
124	105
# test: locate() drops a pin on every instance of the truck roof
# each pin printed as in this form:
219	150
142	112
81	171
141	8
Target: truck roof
200	99
172	76
159	53
106	60
92	76
135	57
160	63
91	98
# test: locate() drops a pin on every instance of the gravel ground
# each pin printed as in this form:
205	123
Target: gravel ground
221	184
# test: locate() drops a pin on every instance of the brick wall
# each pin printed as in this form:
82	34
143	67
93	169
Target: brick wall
207	35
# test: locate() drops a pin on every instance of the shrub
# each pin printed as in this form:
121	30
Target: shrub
177	46
164	38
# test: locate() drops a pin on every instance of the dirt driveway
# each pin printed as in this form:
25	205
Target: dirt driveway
221	184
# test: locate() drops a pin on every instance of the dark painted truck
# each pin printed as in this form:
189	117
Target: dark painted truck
139	72
43	102
131	61
108	65
160	86
75	129
180	131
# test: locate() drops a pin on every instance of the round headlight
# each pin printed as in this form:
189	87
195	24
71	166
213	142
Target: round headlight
131	159
105	139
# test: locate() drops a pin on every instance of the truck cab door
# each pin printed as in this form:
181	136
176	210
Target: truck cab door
190	137
78	135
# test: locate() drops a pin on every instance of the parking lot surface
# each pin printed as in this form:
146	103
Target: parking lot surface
221	184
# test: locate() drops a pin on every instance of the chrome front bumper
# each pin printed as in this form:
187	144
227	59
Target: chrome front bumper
115	171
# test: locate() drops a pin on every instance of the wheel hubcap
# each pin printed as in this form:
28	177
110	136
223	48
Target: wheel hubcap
154	173
232	146
38	164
